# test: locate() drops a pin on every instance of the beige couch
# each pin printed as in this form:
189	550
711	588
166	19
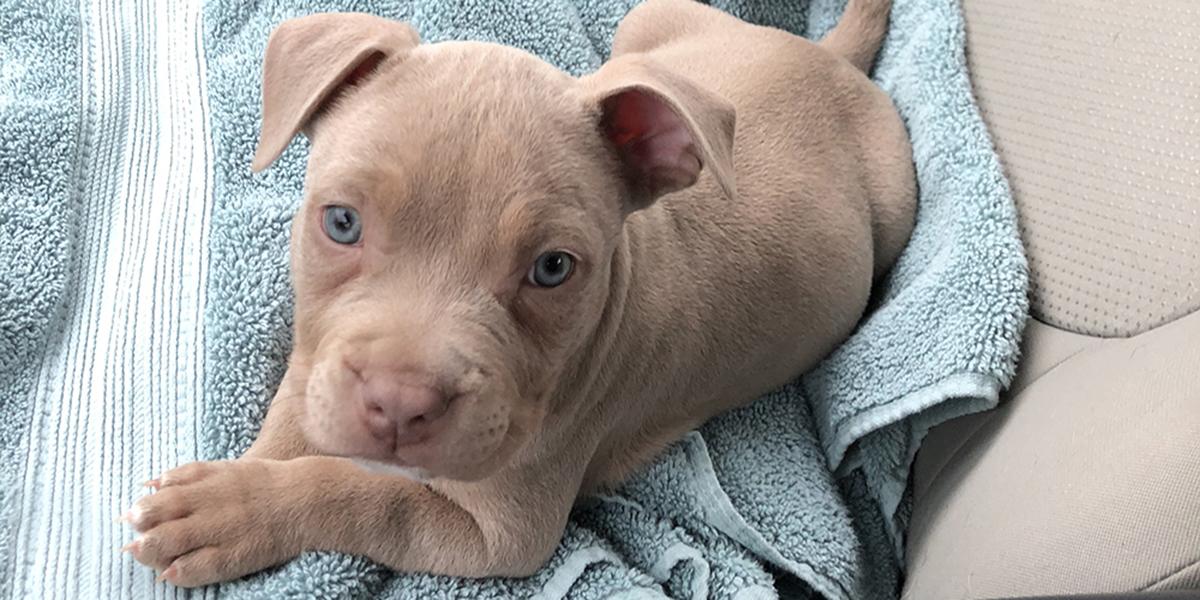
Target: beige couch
1087	479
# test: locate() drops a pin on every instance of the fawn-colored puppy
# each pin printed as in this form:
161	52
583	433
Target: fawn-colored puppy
514	286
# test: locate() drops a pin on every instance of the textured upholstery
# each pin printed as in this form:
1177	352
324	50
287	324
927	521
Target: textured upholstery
1087	478
1095	108
1187	578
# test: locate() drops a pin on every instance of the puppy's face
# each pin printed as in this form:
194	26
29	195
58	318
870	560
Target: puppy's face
452	254
454	251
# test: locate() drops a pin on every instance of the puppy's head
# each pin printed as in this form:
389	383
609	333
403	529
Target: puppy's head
463	202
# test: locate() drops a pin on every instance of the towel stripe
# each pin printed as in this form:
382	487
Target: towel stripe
117	398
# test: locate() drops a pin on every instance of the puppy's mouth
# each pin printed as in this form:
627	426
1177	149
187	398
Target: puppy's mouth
411	449
451	452
467	441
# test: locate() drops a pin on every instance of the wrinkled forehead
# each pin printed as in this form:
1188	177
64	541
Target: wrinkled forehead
491	150
457	100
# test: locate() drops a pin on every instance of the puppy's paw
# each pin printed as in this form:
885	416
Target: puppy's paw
214	521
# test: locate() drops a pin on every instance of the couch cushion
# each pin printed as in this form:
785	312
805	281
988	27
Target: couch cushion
1087	480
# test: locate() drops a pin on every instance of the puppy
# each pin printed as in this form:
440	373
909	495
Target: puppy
514	287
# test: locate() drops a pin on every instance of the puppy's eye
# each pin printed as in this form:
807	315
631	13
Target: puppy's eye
551	269
342	225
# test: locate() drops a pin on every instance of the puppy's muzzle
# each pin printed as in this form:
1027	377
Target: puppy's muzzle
401	409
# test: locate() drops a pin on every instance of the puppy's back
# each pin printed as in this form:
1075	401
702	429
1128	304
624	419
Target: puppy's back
811	126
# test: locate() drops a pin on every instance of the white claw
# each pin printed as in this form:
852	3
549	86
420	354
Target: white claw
132	516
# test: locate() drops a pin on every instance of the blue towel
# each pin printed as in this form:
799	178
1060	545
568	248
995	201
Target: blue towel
39	129
804	489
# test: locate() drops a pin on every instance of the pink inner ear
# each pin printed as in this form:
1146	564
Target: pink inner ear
652	140
363	68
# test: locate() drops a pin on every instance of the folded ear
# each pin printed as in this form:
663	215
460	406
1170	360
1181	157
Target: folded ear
309	60
662	126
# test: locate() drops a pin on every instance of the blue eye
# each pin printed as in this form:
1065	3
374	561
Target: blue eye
551	269
342	225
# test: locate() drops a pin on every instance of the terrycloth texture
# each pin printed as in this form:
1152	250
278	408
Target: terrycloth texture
105	177
39	129
753	495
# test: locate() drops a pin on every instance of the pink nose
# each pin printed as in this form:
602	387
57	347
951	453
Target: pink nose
397	412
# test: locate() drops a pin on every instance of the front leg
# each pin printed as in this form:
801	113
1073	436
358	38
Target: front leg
186	497
216	521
